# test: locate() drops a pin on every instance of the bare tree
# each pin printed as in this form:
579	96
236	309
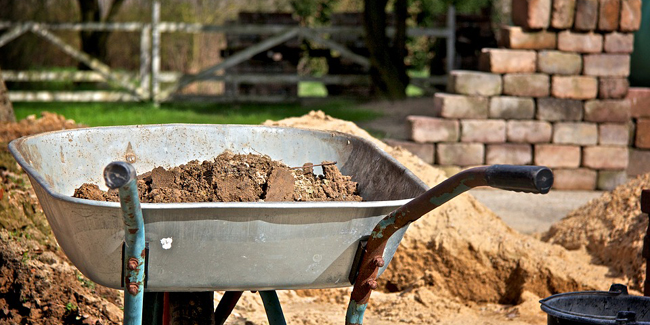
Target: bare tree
6	110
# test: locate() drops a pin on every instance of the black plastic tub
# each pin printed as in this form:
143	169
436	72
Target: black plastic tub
614	307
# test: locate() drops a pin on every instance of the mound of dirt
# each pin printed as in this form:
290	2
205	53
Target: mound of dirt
611	229
463	252
236	178
32	125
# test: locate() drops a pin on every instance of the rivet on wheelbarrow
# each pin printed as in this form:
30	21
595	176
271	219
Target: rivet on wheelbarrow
132	264
378	261
372	284
133	288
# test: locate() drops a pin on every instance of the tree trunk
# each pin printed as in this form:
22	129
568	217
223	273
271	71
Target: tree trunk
95	42
387	71
6	110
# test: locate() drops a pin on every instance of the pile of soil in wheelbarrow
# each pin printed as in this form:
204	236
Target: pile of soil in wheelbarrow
611	229
38	285
237	178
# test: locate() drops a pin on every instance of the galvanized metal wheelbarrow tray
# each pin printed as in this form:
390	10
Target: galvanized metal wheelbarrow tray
239	246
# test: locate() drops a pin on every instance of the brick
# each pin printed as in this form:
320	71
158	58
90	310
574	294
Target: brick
605	157
557	156
474	83
610	179
606	65
429	129
562	14
614	134
642	137
460	154
526	84
459	106
639	162
574	87
556	62
574	179
630	15
609	12
531	14
640	101
483	131
619	42
612	88
514	37
529	131
505	107
509	153
508	61
583	134
586	15
557	109
424	151
579	42
608	110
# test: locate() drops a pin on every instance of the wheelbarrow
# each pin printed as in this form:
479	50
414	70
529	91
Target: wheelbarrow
235	247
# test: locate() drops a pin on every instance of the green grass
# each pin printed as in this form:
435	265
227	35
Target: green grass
104	114
311	89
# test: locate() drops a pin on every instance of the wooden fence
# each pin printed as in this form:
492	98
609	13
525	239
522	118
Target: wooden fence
146	85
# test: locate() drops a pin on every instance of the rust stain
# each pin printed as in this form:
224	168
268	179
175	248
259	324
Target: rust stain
132	231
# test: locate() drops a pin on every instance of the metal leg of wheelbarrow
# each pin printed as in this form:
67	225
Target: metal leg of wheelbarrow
226	305
122	176
273	309
516	178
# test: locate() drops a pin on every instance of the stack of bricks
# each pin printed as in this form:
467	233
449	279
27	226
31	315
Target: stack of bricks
640	152
553	95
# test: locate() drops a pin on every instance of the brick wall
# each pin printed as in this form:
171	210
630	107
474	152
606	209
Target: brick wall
554	94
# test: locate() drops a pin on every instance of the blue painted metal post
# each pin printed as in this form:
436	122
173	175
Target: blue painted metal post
121	175
273	309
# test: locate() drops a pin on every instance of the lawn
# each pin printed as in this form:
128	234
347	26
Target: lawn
102	114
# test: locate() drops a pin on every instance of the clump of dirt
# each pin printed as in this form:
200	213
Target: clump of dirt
236	178
463	252
611	229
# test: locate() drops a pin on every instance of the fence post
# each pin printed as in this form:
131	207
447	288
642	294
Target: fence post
155	49
145	62
451	38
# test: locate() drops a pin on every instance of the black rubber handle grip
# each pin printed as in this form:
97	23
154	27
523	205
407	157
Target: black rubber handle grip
531	179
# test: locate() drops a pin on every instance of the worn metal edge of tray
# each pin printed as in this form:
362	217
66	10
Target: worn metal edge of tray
147	206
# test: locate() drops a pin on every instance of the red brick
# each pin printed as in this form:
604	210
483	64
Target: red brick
606	65
557	109
610	179
574	179
514	37
639	162
483	131
630	15
579	42
556	62
474	83
529	131
574	87
429	129
508	61
582	134
509	153
642	138
640	101
459	106
609	12
612	88
557	156
531	14
602	157
526	84
425	151
563	13
506	107
586	15
619	42
608	110
613	134
460	154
